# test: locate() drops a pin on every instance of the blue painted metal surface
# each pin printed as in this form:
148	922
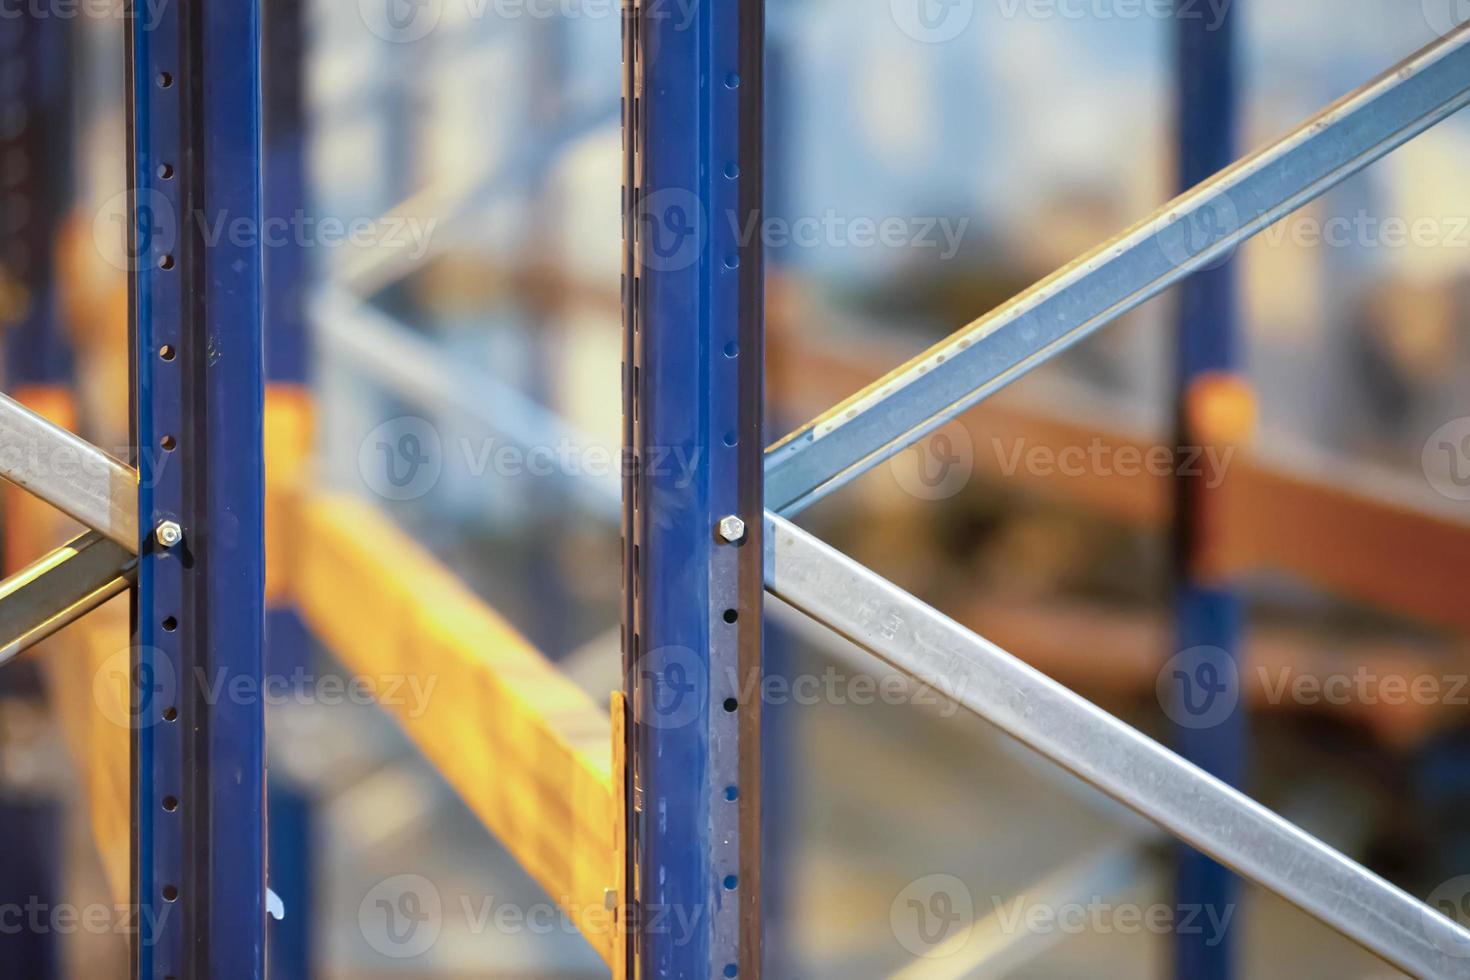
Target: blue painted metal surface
284	180
781	778
287	643
692	372
35	150
291	861
1208	615
35	92
198	753
31	892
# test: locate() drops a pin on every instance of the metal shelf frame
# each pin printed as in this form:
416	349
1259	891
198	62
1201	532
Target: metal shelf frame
196	325
1209	615
697	555
692	382
182	522
674	91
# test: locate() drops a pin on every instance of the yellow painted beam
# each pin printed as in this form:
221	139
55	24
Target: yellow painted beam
86	667
528	751
290	431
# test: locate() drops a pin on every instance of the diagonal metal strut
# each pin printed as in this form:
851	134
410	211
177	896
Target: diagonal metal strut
59	589
1195	229
69	473
1111	755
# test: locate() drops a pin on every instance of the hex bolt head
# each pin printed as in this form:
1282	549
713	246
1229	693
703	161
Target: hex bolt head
732	529
168	533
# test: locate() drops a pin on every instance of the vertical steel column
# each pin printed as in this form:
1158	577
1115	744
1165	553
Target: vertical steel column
1208	614
693	363
283	120
288	646
35	172
781	776
35	177
198	757
35	157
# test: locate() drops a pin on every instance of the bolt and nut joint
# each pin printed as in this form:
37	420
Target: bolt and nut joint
168	533
732	529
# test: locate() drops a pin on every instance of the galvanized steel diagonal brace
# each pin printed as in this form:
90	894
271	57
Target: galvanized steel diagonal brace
1183	236
1111	755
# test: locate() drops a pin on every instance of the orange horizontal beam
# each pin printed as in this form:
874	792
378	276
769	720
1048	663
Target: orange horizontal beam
1374	545
527	750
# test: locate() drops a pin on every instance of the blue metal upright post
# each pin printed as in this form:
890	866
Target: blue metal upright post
288	646
781	780
283	122
198	752
1208	612
34	170
693	297
36	163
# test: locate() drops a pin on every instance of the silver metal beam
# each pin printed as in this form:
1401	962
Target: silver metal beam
1116	758
69	473
1192	231
59	589
404	362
